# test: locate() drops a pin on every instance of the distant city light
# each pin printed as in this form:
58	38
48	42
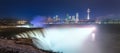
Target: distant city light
26	26
21	22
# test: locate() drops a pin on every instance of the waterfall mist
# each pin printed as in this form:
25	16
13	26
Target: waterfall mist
66	40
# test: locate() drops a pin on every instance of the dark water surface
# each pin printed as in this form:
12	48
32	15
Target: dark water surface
108	37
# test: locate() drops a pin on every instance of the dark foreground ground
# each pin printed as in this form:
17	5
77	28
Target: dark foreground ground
18	46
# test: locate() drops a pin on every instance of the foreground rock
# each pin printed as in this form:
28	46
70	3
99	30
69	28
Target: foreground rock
18	46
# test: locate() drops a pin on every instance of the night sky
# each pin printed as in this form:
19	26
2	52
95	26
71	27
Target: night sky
31	8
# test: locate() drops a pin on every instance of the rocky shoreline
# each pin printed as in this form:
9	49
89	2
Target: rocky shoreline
18	46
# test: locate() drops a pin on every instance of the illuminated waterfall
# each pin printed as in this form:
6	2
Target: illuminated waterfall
66	40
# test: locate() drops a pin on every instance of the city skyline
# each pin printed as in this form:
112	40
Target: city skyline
30	8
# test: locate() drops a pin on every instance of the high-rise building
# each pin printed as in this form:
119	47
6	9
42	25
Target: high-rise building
73	18
50	20
77	15
56	16
67	15
77	18
69	18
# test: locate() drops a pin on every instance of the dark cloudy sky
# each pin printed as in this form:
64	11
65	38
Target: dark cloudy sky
30	8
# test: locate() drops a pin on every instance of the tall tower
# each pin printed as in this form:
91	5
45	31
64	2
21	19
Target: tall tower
88	14
77	18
